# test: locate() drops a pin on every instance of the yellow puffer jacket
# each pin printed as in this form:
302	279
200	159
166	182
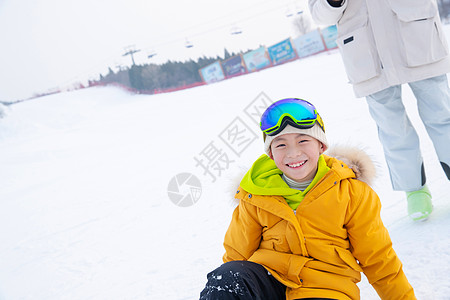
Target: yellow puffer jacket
320	249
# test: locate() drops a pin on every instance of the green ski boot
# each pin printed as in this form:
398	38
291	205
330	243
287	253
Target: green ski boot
419	204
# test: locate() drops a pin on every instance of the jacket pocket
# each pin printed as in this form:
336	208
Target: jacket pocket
410	10
359	55
277	244
420	31
274	237
349	259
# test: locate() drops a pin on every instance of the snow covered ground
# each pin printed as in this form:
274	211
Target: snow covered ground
85	211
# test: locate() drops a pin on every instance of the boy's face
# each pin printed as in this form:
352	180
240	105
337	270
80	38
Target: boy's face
296	155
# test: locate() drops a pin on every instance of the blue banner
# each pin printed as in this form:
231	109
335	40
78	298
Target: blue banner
257	59
234	66
309	43
281	52
329	36
212	73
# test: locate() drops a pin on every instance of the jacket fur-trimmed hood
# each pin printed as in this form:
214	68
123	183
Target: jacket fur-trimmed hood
357	160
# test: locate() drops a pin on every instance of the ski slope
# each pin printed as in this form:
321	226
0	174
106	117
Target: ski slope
84	176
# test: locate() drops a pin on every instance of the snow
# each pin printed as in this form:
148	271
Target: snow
84	206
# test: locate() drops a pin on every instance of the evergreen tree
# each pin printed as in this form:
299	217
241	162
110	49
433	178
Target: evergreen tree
134	73
227	54
153	78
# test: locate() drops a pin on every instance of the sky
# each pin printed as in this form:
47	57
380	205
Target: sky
49	44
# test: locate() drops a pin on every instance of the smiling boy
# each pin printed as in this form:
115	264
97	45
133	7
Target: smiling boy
305	226
296	155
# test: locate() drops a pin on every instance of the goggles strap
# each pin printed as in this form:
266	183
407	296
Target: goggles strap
288	121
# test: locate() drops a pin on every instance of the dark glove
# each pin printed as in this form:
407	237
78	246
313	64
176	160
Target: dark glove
336	3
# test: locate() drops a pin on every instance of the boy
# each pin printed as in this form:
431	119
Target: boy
305	227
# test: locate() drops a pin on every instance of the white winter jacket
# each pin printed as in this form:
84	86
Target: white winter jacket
386	42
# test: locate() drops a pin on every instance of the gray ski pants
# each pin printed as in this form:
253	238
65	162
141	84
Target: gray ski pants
398	136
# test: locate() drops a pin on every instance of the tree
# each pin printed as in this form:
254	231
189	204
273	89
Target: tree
301	24
153	77
226	54
135	76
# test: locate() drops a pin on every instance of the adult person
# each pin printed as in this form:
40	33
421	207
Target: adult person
384	44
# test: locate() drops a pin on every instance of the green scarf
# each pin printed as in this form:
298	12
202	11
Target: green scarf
264	178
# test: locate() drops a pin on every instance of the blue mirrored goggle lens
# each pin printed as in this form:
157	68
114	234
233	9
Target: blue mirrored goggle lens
295	108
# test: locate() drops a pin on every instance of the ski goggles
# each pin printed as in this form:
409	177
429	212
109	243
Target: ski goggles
295	112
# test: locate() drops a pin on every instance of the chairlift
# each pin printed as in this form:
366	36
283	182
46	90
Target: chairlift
235	30
298	9
151	54
288	13
188	44
291	12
